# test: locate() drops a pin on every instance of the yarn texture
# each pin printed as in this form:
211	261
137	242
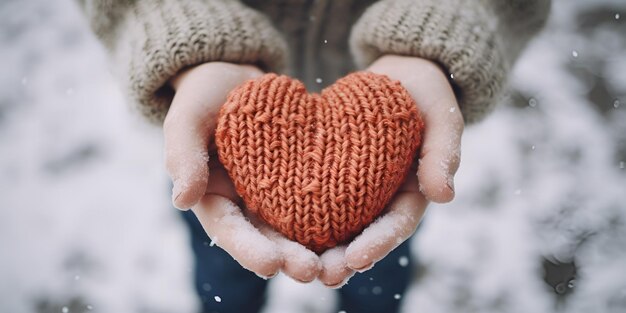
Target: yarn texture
475	42
318	167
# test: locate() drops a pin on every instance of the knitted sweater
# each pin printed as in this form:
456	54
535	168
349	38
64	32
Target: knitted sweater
317	41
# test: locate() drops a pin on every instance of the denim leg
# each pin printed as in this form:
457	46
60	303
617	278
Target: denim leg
218	274
375	291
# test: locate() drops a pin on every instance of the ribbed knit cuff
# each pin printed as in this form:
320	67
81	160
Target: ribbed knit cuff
457	34
162	37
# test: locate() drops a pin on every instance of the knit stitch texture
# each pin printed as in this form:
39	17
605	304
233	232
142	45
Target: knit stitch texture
318	167
476	41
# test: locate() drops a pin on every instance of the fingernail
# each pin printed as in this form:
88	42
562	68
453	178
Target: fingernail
303	281
266	277
364	268
450	183
177	191
339	284
336	286
360	268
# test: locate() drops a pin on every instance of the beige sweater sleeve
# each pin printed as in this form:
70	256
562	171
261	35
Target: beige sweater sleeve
475	41
152	40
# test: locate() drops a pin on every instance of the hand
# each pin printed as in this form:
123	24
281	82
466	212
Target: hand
188	129
438	162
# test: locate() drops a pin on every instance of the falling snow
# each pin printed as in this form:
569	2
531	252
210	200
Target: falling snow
104	213
403	261
206	287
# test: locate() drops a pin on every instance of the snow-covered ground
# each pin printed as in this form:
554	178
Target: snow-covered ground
539	223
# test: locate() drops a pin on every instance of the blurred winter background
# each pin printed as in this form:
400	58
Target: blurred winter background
539	224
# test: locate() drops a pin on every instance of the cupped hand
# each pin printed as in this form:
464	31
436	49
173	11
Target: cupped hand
202	183
439	160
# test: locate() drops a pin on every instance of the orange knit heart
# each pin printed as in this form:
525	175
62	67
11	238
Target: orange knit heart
318	168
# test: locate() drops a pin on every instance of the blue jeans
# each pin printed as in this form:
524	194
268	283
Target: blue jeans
241	291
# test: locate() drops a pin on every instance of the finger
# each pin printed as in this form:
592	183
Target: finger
388	232
299	262
229	229
335	272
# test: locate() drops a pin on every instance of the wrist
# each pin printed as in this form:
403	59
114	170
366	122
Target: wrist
400	66
213	69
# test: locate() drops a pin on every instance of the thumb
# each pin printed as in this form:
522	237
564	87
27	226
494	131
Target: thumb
440	152
190	125
187	129
441	146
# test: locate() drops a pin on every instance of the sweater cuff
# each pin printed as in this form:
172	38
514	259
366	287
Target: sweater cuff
163	37
456	34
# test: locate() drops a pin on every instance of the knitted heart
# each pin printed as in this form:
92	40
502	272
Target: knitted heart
318	167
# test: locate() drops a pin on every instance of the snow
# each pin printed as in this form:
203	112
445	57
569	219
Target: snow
300	263
386	232
288	296
335	272
82	190
86	222
403	261
222	219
